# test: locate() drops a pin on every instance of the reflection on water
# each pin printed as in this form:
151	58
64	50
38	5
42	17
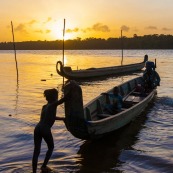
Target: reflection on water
17	97
153	151
143	146
103	155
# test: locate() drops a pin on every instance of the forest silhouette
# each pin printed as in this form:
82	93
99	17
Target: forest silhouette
136	42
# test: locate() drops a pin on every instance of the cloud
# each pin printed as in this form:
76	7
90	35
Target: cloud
72	30
48	31
136	30
21	28
39	31
32	22
48	20
151	27
97	27
25	27
125	28
42	31
166	29
100	27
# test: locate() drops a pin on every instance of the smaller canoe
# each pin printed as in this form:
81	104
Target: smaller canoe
93	121
91	73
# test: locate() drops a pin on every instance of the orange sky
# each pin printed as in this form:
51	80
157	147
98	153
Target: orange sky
43	20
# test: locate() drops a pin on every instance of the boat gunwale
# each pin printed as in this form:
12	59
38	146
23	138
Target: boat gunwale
90	73
123	112
96	98
105	68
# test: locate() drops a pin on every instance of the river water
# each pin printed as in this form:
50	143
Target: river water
145	145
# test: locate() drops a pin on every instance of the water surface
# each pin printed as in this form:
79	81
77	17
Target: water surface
145	145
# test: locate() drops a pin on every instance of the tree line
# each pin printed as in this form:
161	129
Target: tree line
136	42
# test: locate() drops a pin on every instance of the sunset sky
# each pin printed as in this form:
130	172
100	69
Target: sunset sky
43	19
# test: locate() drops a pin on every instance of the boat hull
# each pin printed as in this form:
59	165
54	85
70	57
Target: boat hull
92	73
85	123
115	122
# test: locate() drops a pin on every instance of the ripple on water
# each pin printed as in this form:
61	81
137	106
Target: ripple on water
143	146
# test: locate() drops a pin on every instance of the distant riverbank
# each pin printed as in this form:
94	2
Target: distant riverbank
136	42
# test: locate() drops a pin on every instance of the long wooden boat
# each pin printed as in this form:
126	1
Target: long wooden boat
92	120
68	73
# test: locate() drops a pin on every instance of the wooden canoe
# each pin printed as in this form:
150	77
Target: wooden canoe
92	121
91	73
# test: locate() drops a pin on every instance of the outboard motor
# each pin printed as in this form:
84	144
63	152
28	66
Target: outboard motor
151	77
74	112
150	65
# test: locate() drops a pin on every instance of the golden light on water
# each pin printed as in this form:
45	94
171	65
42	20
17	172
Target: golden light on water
65	60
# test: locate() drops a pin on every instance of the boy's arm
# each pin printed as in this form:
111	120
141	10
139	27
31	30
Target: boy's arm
62	100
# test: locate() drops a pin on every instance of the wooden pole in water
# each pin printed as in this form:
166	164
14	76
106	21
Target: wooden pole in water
122	46
63	41
14	51
63	49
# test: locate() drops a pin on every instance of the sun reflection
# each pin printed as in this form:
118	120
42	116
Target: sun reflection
65	60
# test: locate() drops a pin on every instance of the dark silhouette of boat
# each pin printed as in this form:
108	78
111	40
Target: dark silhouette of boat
93	121
92	73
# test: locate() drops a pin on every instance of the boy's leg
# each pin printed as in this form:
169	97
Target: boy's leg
37	147
50	144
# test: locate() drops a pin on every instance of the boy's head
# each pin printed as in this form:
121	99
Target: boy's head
51	94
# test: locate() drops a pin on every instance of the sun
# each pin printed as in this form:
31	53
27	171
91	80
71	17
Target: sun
69	36
57	32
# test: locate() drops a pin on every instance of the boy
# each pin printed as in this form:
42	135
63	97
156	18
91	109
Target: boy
117	101
43	128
